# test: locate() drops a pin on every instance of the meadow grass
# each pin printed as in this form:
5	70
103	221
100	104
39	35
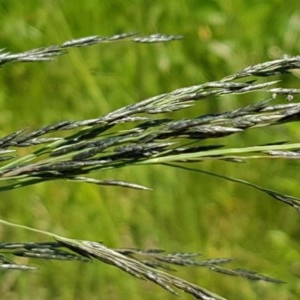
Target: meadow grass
186	211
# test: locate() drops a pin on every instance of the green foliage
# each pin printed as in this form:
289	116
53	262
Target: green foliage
186	211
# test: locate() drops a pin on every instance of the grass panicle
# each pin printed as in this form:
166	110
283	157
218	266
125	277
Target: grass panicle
72	150
49	53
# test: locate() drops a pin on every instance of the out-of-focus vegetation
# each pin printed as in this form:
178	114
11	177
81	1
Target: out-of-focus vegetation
185	211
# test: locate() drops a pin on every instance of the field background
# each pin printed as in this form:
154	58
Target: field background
185	211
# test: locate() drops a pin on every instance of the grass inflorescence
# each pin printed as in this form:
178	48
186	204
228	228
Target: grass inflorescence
142	134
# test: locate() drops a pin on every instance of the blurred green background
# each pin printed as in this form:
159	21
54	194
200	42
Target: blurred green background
185	211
